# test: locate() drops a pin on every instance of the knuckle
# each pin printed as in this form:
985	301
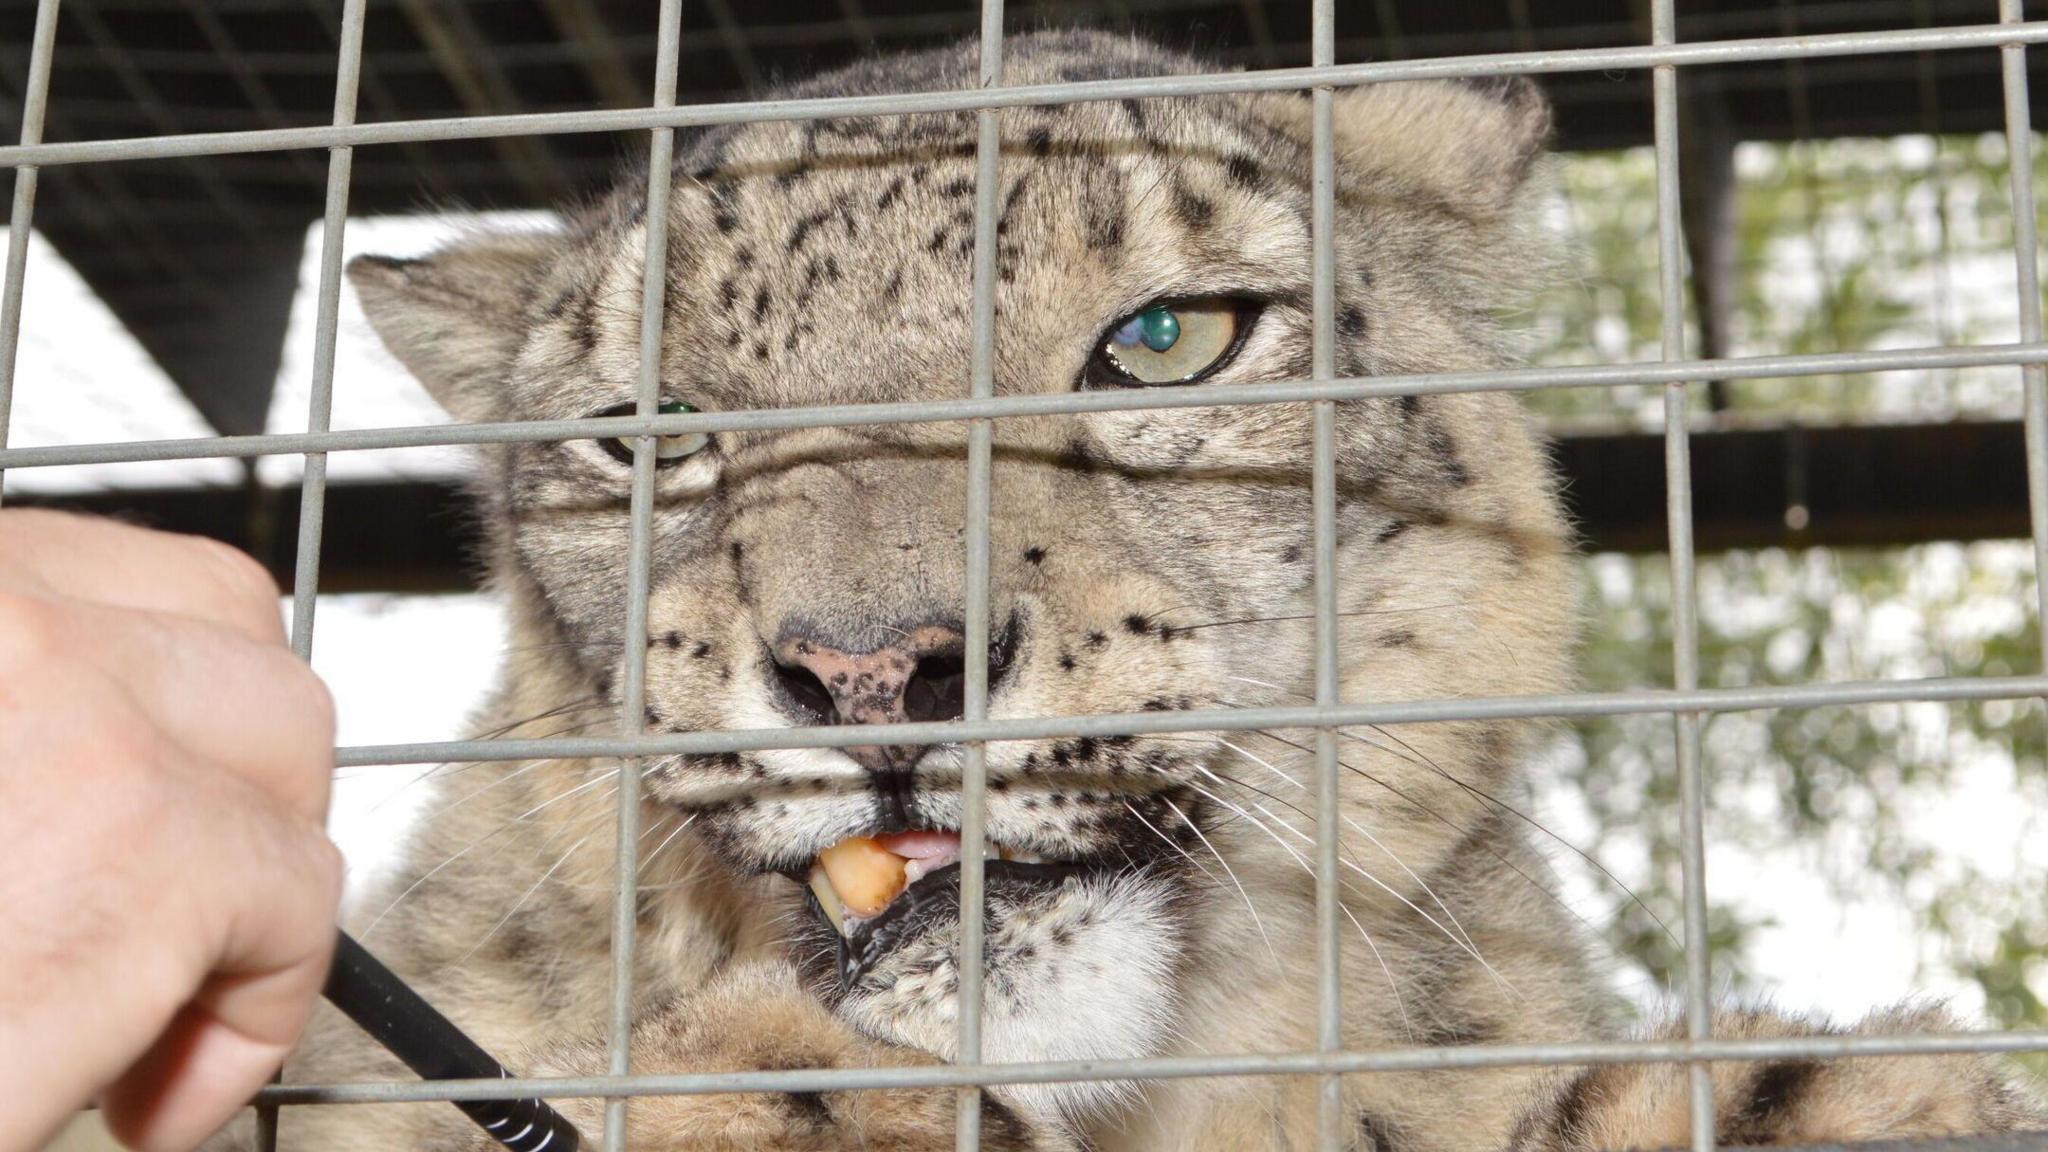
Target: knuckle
319	702
132	799
31	632
242	580
329	869
312	715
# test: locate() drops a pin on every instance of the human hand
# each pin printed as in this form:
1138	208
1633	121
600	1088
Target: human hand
167	909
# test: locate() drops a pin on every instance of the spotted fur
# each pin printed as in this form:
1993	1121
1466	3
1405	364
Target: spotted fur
1149	561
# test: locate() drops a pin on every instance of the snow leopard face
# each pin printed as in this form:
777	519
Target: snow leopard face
1141	561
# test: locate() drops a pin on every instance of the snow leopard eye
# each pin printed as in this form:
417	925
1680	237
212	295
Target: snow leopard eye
1171	342
668	450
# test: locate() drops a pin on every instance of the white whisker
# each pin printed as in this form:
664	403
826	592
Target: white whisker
1412	905
1249	906
1392	986
528	895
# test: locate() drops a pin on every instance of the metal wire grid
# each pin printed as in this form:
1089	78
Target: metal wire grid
1686	701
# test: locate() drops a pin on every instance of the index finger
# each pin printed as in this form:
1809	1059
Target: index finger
121	566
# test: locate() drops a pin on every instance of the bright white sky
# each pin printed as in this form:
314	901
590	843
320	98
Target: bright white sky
408	668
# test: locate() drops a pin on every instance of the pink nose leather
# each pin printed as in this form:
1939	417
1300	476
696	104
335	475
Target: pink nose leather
870	687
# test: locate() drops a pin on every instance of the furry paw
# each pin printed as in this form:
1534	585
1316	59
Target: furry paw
761	1018
1793	1101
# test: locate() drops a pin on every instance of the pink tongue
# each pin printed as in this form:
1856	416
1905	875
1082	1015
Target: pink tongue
922	845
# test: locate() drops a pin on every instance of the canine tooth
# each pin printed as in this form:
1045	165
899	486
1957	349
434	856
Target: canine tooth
864	874
821	887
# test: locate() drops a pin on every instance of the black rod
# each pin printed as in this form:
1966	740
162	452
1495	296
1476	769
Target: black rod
430	1044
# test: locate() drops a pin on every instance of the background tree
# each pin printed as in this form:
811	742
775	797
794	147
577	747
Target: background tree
1846	244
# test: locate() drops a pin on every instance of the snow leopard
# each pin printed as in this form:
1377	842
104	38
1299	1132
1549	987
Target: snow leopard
1147	895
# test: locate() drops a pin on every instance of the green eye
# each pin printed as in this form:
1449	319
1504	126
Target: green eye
1172	342
667	449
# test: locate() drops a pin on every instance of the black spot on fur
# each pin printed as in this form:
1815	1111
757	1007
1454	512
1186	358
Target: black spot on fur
1375	1134
1001	1130
1136	111
1581	1097
1066	662
1039	142
1244	171
801	231
1411	404
1509	90
1137	625
960	187
808	1108
761	302
1775	1089
725	206
1095	640
1398	638
1195	212
893	290
672	640
1291	554
1010	201
1034	555
1105	231
728	294
701	650
1351	323
890	195
1387	534
584	328
1078	456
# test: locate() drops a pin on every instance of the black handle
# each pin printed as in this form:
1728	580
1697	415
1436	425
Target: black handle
430	1044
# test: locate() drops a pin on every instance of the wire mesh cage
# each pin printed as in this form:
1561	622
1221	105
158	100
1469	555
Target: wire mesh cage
658	113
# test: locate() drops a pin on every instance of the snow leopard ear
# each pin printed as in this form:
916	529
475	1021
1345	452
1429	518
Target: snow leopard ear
1468	146
457	318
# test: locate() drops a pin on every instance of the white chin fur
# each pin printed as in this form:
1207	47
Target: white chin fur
1087	975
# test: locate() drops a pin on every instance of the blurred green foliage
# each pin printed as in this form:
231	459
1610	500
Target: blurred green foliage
1849	244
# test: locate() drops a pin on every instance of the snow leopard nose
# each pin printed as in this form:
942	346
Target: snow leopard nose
922	677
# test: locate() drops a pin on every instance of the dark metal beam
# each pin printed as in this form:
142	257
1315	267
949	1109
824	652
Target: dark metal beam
1774	488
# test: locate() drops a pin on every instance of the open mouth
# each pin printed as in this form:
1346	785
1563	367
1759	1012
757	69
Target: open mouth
878	891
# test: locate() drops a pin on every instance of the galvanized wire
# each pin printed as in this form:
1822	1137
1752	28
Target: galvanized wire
1428	711
639	562
1685	629
320	402
1331	1124
2026	246
980	482
34	106
1037	404
1206	84
1826	1047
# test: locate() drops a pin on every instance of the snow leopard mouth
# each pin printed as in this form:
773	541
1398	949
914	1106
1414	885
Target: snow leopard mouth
868	924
